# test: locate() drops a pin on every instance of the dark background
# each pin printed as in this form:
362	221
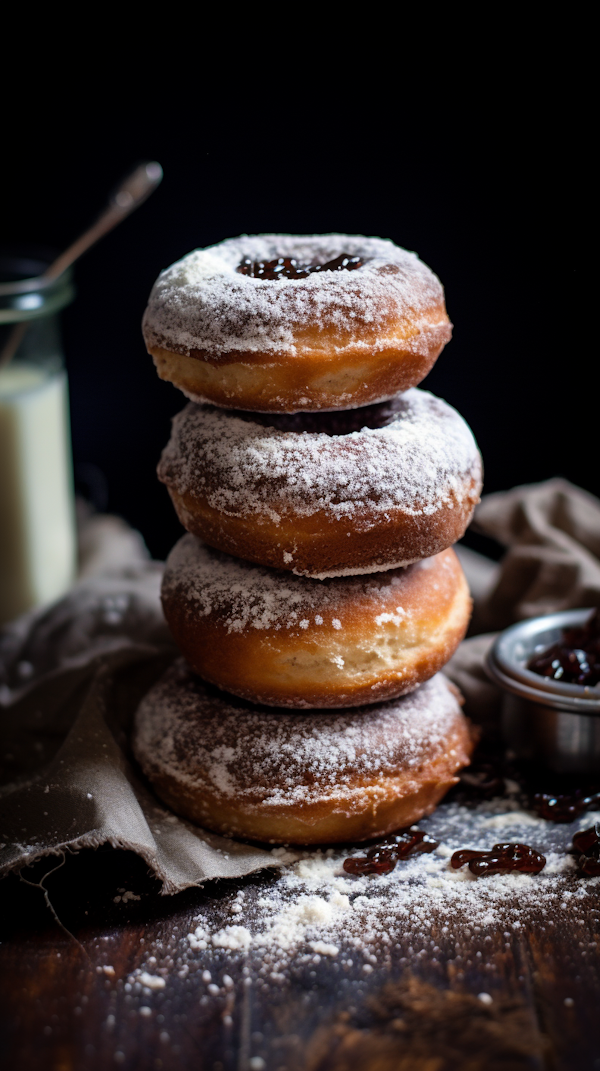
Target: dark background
486	181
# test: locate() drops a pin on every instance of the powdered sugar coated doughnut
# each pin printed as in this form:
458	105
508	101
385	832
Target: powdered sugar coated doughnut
286	640
331	340
290	778
320	503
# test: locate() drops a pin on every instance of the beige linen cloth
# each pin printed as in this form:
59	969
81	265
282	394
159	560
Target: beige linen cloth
72	674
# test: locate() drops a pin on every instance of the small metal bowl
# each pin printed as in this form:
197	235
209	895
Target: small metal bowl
558	724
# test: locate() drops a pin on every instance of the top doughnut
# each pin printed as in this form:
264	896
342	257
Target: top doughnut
292	323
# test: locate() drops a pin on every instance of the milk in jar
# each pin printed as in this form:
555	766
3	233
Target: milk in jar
37	525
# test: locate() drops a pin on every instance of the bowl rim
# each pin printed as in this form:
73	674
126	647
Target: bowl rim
507	670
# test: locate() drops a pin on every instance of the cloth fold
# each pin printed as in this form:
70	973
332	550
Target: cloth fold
72	675
552	531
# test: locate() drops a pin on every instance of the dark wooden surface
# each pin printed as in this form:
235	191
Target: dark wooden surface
62	1011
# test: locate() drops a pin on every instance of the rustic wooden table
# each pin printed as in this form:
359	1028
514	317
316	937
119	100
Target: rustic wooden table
461	996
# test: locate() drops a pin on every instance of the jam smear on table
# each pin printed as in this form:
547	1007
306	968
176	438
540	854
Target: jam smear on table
559	798
384	856
575	659
502	859
563	807
587	844
289	268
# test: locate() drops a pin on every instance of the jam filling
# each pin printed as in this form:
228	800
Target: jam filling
383	857
575	659
587	845
502	859
289	268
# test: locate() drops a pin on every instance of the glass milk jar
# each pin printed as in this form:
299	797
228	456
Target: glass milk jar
37	518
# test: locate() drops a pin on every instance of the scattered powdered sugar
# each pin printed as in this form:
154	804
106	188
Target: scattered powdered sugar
150	981
324	949
125	896
231	937
424	460
421	912
245	596
512	820
292	924
187	730
316	905
202	303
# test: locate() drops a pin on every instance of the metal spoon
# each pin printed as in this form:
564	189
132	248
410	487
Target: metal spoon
128	196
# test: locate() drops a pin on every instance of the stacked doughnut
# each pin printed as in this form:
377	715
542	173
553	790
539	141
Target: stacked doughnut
316	596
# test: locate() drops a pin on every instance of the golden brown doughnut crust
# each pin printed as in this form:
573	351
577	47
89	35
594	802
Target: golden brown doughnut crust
361	498
320	382
290	641
313	778
334	340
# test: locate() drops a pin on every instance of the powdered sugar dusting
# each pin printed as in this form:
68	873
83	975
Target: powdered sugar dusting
424	460
201	302
272	757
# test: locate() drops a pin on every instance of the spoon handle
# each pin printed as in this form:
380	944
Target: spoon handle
131	193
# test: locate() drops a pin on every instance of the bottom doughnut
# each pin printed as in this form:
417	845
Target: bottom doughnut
283	777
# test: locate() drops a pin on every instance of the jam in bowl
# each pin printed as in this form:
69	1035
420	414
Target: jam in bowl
546	717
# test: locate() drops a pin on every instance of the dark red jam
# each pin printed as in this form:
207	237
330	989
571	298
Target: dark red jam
383	857
502	859
563	807
289	268
575	659
587	845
